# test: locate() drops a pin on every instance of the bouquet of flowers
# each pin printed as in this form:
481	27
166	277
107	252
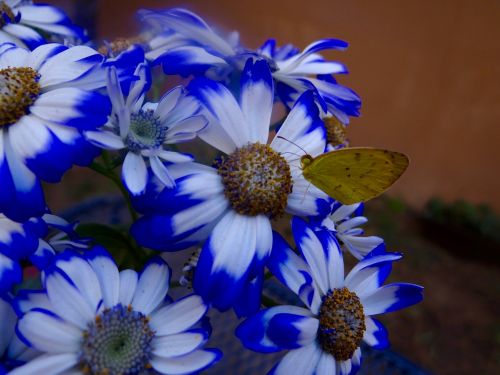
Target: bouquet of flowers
273	118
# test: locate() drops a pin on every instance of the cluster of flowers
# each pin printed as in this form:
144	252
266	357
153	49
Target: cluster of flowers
66	103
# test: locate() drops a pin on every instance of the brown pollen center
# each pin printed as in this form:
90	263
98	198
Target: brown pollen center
336	132
257	180
341	323
19	88
6	14
119	45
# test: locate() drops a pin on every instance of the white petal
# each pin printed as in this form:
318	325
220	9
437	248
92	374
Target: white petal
105	139
67	302
53	364
128	284
134	173
302	361
161	172
109	279
151	288
326	364
168	102
178	316
49	334
186	364
177	344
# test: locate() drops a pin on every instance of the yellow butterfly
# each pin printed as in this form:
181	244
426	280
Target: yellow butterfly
356	174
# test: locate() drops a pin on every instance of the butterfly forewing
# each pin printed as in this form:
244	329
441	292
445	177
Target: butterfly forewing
357	174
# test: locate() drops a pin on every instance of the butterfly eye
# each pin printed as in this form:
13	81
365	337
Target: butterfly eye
305	161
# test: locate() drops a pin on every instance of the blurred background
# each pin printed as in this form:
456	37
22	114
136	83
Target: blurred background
428	73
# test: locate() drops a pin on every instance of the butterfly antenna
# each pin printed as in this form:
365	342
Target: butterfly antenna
293	143
305	193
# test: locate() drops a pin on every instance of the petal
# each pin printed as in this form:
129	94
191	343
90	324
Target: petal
107	273
301	361
152	286
392	297
128	284
48	333
326	364
220	102
105	139
370	273
220	274
178	344
161	172
67	301
178	316
254	331
375	335
312	250
186	364
134	173
257	97
53	364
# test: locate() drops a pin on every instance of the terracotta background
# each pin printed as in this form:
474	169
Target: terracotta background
428	72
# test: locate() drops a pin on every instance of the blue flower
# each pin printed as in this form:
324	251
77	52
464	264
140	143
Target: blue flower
45	104
91	318
324	337
186	45
33	240
21	22
232	204
343	223
145	130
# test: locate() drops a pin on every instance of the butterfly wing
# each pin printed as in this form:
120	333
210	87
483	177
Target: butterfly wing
356	174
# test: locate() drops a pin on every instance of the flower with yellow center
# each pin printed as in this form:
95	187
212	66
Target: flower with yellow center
325	336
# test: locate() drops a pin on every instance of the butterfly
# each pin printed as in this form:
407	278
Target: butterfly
357	174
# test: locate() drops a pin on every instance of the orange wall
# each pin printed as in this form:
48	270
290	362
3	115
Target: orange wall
428	72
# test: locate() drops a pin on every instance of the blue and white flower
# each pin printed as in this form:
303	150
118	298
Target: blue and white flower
45	104
21	22
232	203
324	337
91	318
37	239
145	130
187	45
343	222
296	72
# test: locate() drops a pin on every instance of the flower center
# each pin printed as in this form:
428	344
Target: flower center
19	88
257	180
146	131
6	14
341	323
336	133
118	342
119	45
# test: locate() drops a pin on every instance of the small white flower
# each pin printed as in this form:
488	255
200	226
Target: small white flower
144	130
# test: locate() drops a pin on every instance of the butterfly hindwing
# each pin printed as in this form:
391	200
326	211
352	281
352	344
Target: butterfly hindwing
357	174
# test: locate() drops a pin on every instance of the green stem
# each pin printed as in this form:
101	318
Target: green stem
110	174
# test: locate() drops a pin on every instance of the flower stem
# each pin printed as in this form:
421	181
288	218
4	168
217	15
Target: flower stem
107	171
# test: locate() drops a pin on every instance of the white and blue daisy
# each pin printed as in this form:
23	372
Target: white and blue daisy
37	239
232	203
21	22
324	337
91	318
45	104
186	45
145	130
343	223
